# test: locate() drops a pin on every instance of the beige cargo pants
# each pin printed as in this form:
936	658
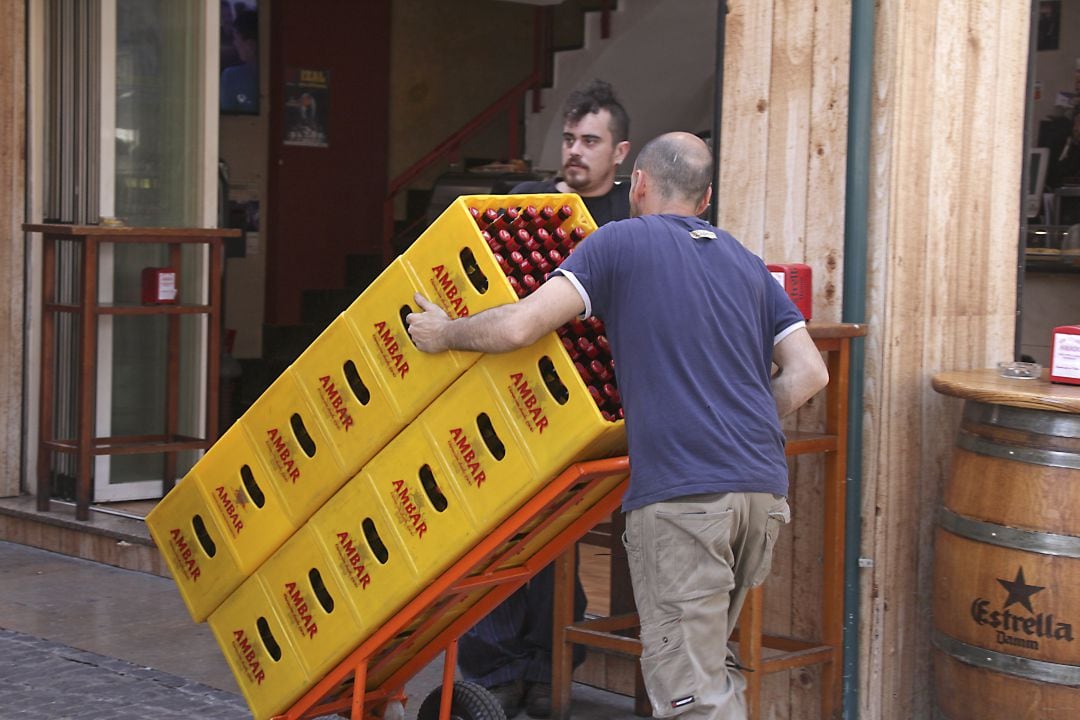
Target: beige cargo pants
692	561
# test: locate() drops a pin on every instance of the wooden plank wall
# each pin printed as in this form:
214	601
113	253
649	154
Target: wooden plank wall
784	149
949	79
947	123
12	201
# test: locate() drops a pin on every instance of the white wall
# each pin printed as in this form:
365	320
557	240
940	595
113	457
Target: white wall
660	58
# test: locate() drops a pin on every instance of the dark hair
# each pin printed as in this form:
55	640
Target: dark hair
246	24
594	97
678	165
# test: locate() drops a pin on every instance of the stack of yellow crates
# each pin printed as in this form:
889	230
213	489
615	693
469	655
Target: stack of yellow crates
369	467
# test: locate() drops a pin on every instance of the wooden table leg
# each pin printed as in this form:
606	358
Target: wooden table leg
48	373
750	622
562	652
87	379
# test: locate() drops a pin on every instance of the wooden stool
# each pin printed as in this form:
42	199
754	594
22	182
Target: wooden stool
618	633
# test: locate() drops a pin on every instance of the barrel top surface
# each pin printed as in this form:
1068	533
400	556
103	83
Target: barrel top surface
989	387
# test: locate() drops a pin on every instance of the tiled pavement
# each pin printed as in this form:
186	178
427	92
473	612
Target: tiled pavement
80	639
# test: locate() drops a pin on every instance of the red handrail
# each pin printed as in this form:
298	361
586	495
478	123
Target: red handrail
511	102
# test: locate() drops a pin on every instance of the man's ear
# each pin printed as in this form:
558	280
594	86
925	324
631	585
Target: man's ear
621	151
704	203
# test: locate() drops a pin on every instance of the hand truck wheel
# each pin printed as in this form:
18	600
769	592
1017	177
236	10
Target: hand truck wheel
470	702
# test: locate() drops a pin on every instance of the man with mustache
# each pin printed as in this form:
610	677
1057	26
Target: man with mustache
696	324
595	132
509	651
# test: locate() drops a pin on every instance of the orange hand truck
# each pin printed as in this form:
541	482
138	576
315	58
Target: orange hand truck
362	686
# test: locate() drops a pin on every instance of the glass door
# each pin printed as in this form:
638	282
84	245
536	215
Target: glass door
159	114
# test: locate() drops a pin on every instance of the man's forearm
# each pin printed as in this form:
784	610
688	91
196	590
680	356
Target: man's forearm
490	331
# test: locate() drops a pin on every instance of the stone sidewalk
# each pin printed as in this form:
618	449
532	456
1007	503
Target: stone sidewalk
81	640
44	680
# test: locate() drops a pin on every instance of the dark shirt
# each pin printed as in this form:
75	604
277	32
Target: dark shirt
692	317
613	205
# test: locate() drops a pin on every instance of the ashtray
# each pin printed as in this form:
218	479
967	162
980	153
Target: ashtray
1020	370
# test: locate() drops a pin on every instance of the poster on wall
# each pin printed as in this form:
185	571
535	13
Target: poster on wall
1049	24
307	107
239	88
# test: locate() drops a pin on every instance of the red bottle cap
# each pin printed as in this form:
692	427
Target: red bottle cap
545	239
587	347
612	393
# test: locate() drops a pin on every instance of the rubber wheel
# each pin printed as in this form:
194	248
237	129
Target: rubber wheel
470	702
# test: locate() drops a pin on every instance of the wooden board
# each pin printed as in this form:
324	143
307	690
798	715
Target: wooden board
12	201
782	195
945	168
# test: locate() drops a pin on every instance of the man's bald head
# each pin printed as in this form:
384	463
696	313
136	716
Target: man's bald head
679	164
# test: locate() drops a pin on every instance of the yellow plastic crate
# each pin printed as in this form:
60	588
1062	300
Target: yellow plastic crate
555	418
425	511
293	447
372	567
310	601
453	265
195	548
490	470
244	499
349	397
252	636
412	378
561	521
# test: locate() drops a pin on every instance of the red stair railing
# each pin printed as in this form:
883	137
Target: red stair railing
510	103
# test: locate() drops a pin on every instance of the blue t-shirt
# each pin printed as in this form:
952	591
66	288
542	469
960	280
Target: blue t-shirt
692	317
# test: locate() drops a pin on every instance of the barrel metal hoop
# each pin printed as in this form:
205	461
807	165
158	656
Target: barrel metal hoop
1032	456
994	534
1040	422
1038	670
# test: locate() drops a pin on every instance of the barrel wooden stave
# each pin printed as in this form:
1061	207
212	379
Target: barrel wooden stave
964	691
1011	504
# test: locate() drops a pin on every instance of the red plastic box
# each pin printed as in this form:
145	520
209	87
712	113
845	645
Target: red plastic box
1065	355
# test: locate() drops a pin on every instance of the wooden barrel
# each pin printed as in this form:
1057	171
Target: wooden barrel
1006	610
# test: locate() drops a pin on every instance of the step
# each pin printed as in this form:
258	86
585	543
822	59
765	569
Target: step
286	342
361	270
320	307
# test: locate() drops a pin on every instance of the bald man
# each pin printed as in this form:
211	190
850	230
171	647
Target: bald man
695	322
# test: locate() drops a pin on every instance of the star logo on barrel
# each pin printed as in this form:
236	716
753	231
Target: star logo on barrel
1019	590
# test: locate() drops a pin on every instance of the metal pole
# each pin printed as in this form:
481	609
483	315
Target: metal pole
856	224
718	107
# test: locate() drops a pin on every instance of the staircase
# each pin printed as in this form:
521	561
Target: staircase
559	28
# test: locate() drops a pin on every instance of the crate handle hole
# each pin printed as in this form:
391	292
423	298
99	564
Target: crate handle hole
203	536
254	492
302	435
472	271
552	381
271	645
326	600
378	548
431	489
356	383
403	313
491	438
